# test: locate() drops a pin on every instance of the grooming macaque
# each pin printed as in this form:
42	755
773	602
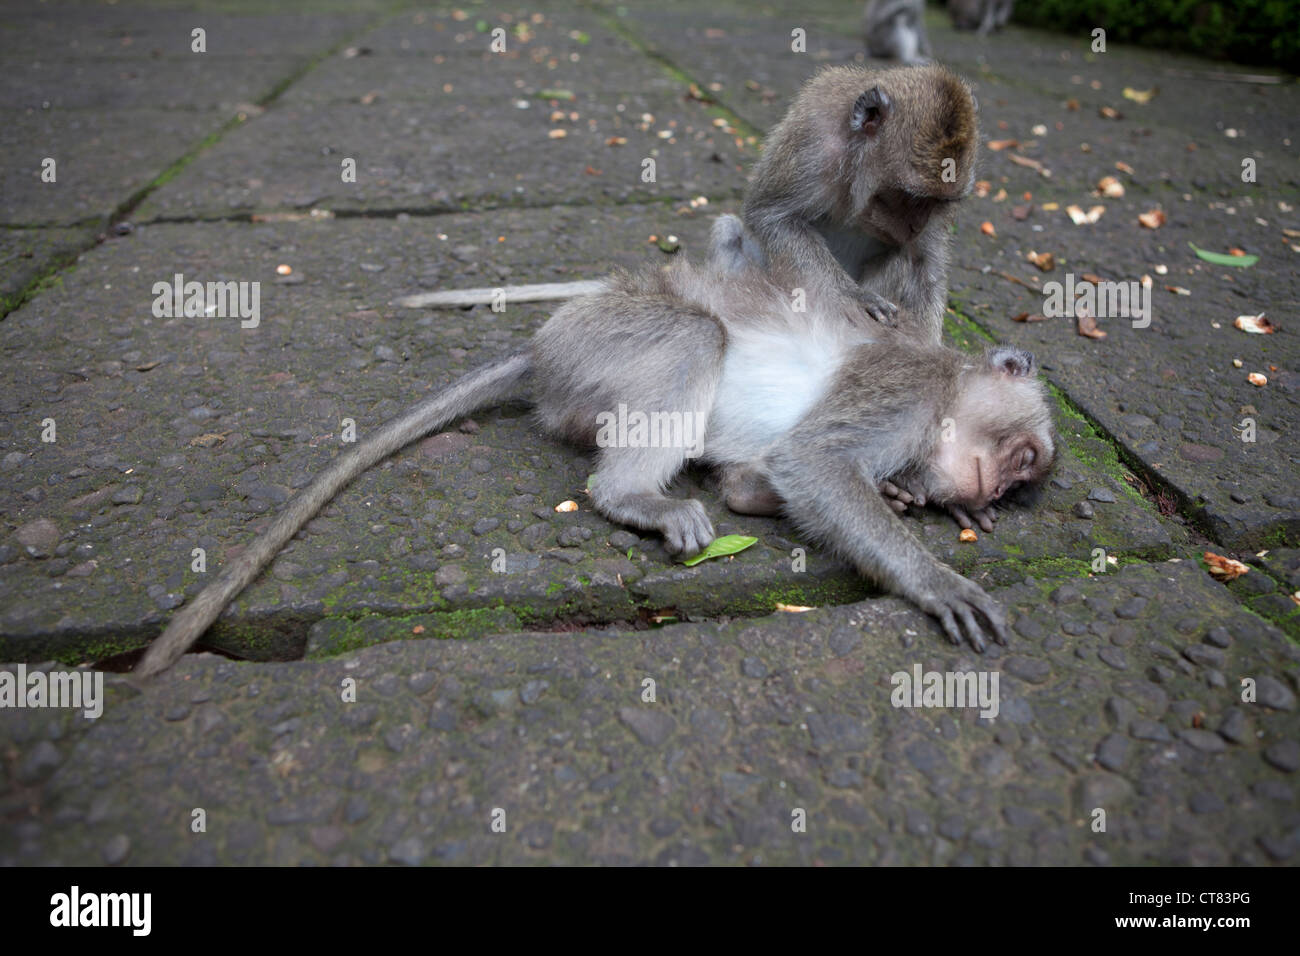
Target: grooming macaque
800	410
857	187
895	30
982	16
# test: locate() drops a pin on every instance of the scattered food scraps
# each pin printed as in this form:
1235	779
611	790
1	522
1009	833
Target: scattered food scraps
565	506
968	535
1080	218
1223	569
1028	163
1255	324
1110	187
1087	326
1045	261
1155	219
1258	379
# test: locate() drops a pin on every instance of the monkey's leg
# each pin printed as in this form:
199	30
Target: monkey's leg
828	496
627	488
747	492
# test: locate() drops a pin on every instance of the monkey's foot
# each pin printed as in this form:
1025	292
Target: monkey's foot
955	601
683	522
686	527
983	516
747	492
877	307
898	496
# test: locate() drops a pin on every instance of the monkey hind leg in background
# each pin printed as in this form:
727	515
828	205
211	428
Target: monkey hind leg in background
895	30
982	16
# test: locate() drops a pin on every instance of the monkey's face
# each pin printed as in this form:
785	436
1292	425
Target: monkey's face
897	217
984	472
998	437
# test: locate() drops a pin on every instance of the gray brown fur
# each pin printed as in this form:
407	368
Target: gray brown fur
866	208
864	406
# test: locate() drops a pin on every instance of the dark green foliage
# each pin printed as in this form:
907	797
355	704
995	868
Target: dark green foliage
1265	32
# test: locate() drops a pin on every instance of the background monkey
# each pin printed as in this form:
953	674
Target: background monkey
804	407
857	186
982	16
895	30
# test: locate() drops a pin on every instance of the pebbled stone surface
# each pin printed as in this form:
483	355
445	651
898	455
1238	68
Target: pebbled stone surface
557	732
1122	690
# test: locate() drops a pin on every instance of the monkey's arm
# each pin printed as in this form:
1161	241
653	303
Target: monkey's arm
917	282
799	246
828	496
901	492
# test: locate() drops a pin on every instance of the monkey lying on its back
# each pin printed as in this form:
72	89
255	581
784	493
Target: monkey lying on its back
803	409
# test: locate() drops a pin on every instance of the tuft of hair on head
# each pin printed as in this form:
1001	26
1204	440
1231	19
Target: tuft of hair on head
950	129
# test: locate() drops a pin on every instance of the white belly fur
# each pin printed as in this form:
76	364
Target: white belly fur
771	377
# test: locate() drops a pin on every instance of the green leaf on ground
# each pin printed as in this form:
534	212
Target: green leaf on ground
721	547
1219	259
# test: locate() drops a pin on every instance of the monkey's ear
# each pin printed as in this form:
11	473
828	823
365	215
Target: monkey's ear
1012	361
869	111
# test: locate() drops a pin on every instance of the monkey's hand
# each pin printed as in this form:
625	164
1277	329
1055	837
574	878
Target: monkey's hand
984	517
956	600
898	496
876	306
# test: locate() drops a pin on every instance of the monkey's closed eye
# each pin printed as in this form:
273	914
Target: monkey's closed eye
1026	459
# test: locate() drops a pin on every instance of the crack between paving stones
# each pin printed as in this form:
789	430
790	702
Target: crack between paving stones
423	212
126	207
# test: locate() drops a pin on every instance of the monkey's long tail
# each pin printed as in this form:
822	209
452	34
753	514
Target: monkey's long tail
487	385
543	292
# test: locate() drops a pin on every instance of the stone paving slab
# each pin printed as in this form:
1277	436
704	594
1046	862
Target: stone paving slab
27	254
748	58
196	83
519	74
199	449
430	156
102	160
148	30
1120	701
1169	393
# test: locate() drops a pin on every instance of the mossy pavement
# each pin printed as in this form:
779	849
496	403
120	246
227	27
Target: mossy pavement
500	649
